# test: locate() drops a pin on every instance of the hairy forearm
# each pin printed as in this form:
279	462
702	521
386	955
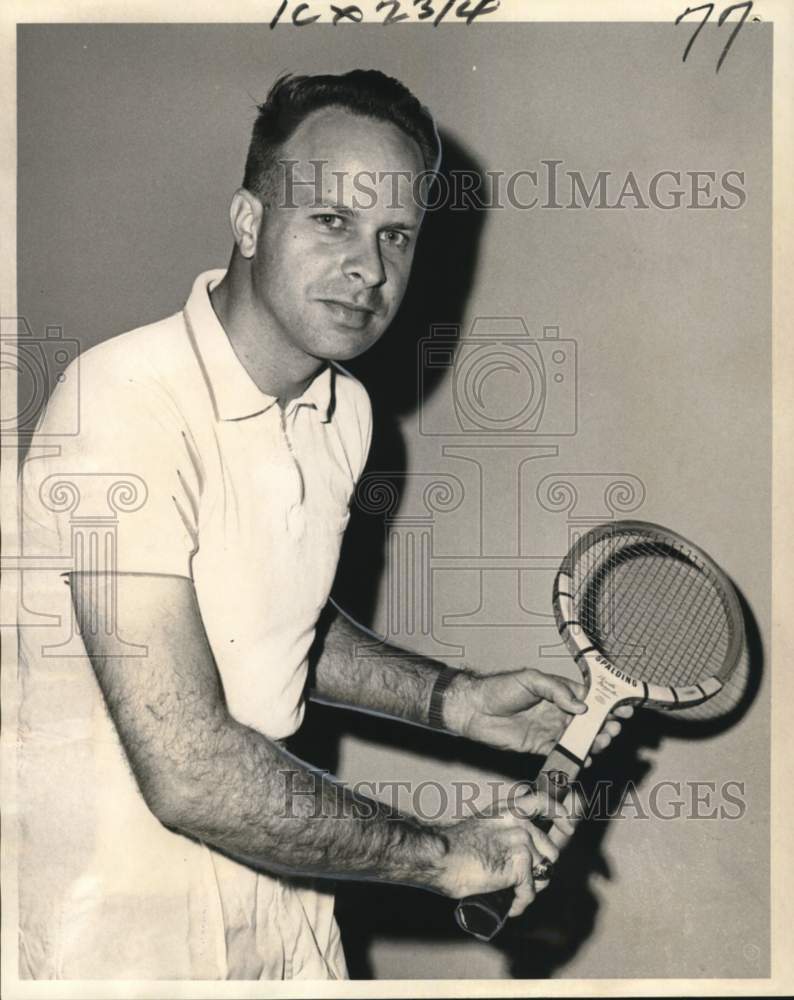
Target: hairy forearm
234	789
382	679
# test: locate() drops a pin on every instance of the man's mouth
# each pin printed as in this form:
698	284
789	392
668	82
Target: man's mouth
348	313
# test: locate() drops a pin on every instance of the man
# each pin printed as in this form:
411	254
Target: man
166	830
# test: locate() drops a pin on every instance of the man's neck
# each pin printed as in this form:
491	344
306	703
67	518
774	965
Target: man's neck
256	347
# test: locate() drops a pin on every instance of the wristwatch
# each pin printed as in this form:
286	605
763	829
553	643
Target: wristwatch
442	682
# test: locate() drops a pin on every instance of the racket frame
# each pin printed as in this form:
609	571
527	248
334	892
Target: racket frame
573	632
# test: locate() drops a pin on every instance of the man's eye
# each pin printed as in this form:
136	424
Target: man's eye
394	238
327	221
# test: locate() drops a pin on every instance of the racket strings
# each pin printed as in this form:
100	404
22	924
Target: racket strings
690	649
620	603
686	625
605	560
652	608
640	605
705	638
678	622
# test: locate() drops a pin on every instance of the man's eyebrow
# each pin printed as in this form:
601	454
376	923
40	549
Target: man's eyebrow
335	206
408	226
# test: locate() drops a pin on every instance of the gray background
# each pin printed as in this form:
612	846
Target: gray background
131	142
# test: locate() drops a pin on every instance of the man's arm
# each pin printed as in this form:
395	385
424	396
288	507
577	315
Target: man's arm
385	679
204	774
522	709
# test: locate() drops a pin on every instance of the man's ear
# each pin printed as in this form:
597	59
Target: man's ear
245	215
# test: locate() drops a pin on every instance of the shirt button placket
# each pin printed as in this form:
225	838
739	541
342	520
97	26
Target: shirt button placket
296	520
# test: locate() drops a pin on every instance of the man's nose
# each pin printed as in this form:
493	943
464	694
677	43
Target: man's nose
364	264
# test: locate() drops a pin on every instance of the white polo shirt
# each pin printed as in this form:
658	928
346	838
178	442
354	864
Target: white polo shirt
182	466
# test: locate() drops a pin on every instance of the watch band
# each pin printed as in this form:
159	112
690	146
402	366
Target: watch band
442	682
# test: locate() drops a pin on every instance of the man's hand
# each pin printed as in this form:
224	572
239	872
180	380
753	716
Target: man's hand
522	710
499	849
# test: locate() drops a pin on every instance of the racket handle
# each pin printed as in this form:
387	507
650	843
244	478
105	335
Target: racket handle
485	914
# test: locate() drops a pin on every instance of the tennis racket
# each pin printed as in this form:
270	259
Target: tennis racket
651	620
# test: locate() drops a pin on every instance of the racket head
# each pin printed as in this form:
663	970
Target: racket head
655	606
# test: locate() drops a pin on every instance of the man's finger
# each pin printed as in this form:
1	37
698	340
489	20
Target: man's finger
525	887
544	848
601	742
556	690
525	893
564	826
609	731
623	711
534	805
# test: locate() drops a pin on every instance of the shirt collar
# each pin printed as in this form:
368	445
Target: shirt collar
234	393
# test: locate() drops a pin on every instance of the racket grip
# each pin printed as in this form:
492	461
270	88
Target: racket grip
485	914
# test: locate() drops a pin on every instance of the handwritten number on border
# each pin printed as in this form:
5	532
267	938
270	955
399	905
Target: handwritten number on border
349	13
392	6
392	11
746	6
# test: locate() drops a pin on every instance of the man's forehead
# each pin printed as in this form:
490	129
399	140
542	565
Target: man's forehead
338	135
334	154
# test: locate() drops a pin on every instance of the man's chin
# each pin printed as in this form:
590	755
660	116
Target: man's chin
346	347
342	356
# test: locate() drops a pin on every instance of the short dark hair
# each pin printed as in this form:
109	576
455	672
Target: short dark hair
365	92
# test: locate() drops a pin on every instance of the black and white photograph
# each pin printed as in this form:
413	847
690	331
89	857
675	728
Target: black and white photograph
390	456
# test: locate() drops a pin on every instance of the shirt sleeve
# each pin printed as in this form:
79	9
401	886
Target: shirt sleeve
122	494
